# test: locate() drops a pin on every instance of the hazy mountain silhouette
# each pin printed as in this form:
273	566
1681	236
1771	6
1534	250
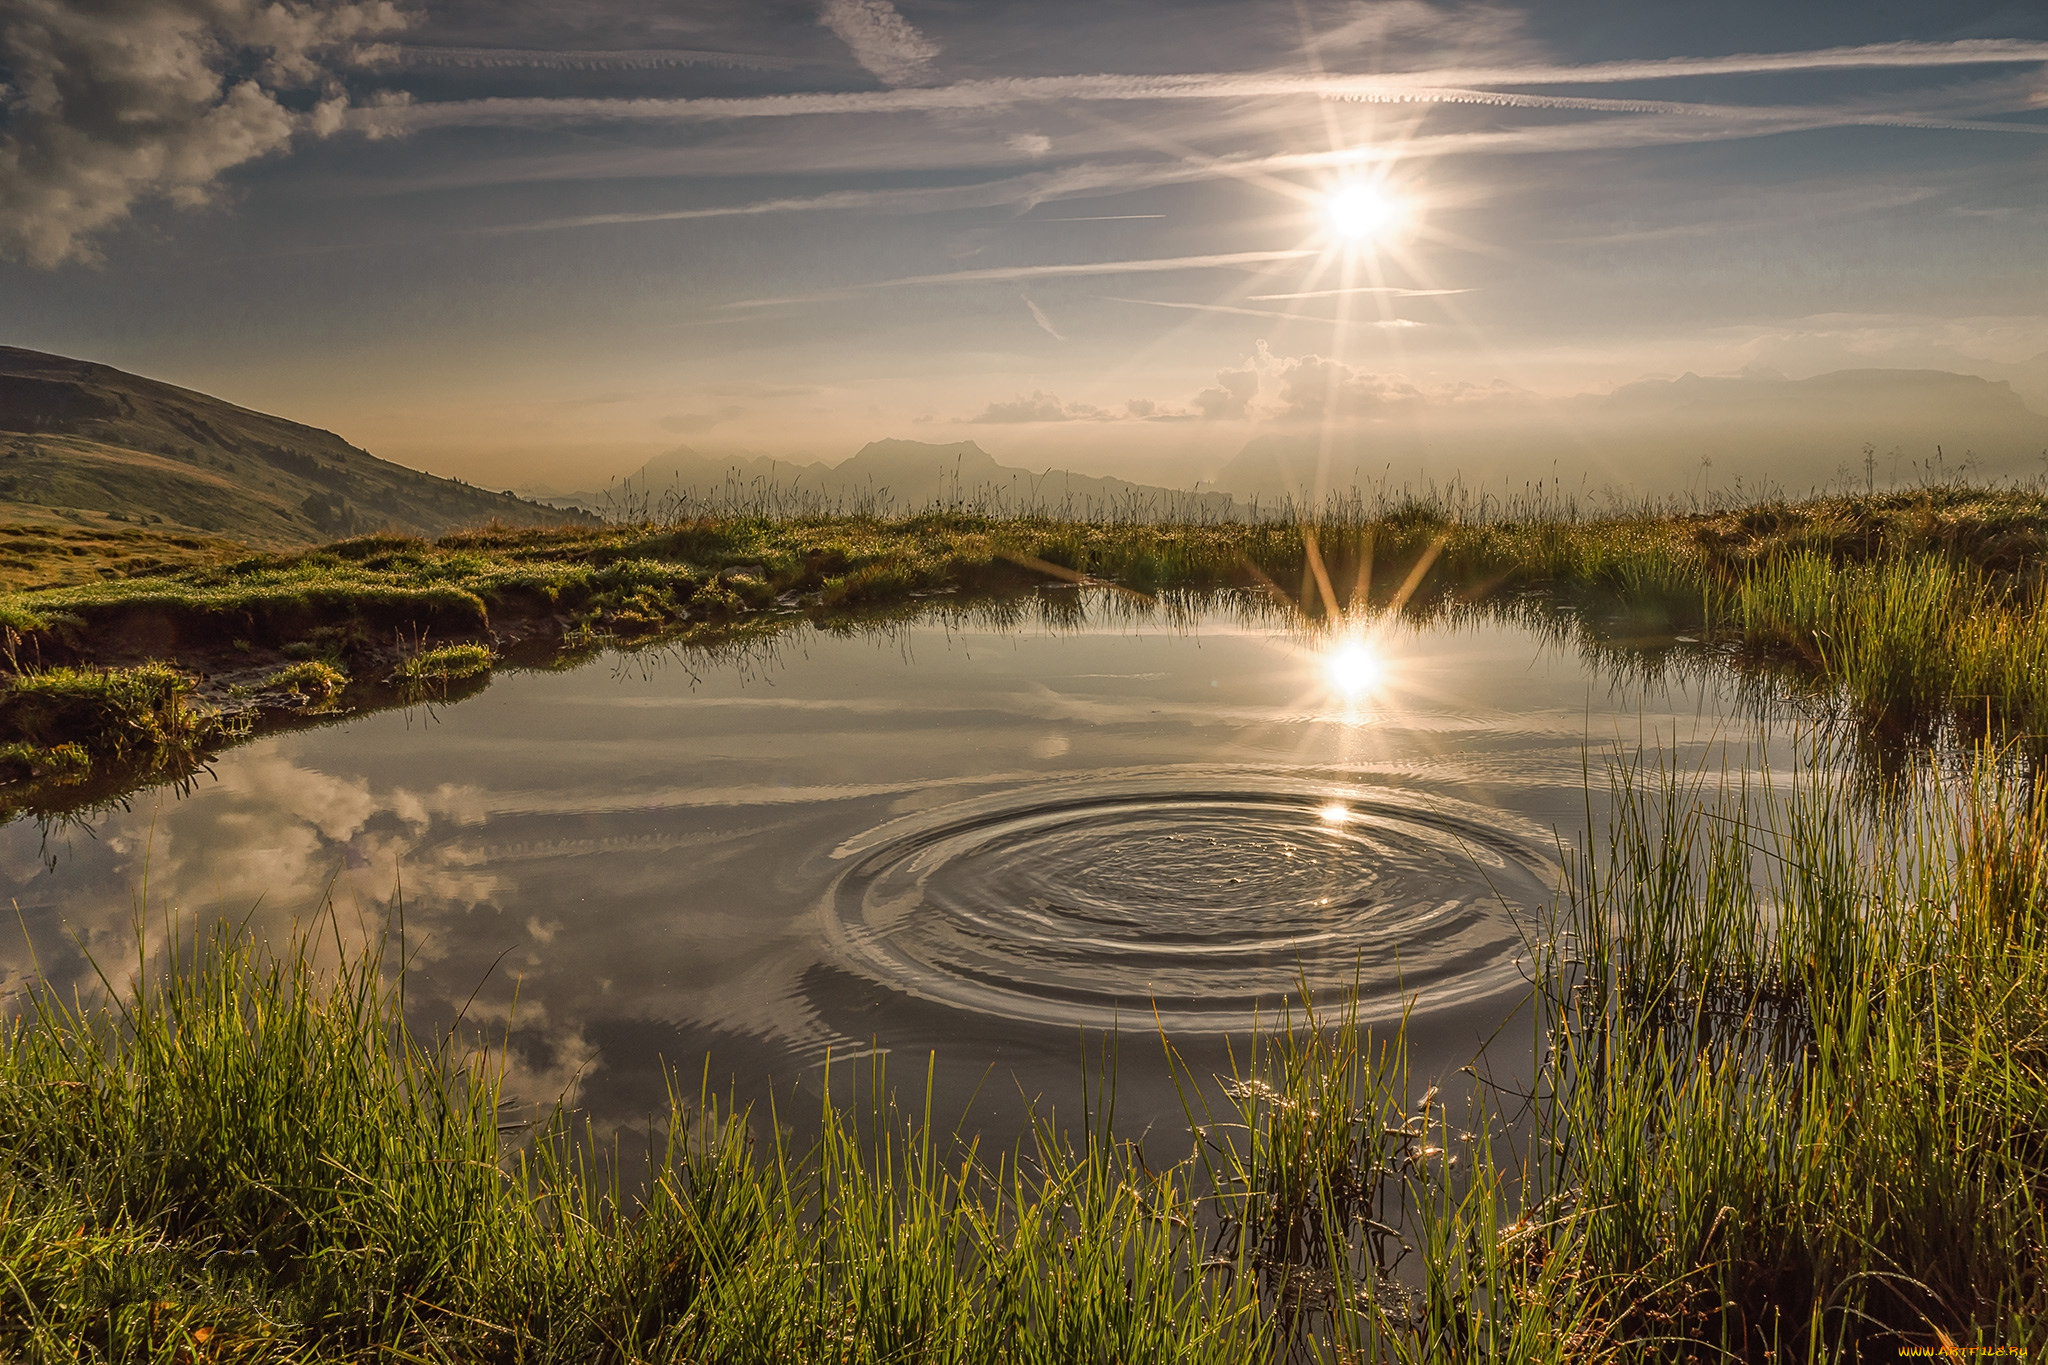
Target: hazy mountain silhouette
1657	435
888	477
80	441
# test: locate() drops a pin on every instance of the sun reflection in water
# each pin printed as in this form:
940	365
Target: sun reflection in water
1354	668
1334	814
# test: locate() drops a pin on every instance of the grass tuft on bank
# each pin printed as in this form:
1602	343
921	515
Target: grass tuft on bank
62	721
447	663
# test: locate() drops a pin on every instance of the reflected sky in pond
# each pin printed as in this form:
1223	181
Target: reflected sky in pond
959	834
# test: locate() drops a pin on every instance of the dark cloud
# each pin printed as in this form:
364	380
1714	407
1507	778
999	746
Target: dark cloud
1231	399
110	103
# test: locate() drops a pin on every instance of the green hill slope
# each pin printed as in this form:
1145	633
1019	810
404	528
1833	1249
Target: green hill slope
89	444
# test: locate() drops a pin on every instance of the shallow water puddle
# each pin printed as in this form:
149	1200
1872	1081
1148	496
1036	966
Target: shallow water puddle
957	835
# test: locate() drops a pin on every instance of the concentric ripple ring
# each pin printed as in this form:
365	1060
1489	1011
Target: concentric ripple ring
1206	908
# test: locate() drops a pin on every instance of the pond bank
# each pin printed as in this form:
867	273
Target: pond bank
1913	610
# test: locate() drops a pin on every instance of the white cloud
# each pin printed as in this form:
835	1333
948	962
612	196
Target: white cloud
1388	324
1375	23
1268	388
117	102
881	40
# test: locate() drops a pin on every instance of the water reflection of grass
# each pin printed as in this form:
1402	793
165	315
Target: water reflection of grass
1790	1101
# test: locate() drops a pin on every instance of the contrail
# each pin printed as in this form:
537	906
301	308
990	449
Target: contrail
1154	265
1449	86
572	59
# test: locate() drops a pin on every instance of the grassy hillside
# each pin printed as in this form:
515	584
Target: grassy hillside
53	550
92	446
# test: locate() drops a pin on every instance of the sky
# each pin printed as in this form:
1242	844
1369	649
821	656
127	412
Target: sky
536	244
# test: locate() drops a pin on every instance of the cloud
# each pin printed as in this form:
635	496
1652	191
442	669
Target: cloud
981	95
1311	388
1232	399
689	423
1412	23
881	40
1234	393
1386	323
1388	289
112	103
1030	144
1082	179
1039	407
1868	57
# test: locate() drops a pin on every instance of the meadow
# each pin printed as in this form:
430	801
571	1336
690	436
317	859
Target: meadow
1789	1042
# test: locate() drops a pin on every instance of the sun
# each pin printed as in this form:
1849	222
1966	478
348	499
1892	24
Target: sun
1361	213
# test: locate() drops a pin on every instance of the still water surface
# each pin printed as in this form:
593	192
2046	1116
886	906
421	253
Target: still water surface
971	837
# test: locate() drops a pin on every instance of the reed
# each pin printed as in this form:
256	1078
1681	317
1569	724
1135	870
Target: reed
1799	1065
246	1157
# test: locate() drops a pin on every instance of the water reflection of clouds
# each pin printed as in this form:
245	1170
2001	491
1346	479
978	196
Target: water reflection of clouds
624	864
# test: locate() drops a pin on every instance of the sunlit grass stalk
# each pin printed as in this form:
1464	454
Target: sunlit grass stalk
1833	1133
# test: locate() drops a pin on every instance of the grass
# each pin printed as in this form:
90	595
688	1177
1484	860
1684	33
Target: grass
1791	1102
1803	1074
627	580
67	720
1792	1099
311	679
249	1161
447	663
43	547
1913	614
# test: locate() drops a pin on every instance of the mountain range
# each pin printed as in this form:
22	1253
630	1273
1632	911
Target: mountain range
886	477
86	444
1760	430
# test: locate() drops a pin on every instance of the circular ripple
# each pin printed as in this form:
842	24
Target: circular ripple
1206	907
